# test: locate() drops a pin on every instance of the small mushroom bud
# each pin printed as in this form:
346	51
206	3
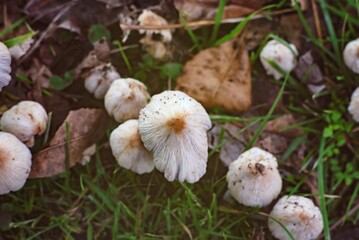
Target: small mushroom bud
298	215
149	18
125	98
128	149
174	127
281	54
25	120
253	179
5	68
351	55
100	78
15	163
353	107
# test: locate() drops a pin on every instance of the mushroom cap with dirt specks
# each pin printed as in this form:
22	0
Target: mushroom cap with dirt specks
253	179
100	78
5	66
351	55
25	120
353	107
281	54
149	18
299	216
125	98
15	163
174	127
128	149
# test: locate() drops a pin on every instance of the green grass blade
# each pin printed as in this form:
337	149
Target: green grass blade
218	19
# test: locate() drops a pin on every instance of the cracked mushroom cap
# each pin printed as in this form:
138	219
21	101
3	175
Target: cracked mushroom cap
100	78
174	127
300	217
5	66
351	55
253	179
353	107
15	163
279	53
25	120
128	149
125	98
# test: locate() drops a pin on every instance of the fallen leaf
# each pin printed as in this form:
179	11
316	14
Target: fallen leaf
280	126
272	143
219	77
86	127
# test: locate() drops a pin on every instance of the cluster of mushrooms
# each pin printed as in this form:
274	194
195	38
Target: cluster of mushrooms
168	131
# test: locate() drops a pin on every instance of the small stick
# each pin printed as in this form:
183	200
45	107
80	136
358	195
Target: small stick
125	26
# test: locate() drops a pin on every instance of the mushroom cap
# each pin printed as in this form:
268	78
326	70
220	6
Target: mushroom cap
300	217
173	126
100	78
253	179
149	18
281	55
5	66
15	163
353	107
25	120
351	55
125	98
128	149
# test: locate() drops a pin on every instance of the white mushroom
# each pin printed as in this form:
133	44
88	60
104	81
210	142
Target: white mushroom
87	154
298	215
353	107
173	126
100	78
253	179
5	68
128	149
351	55
15	163
281	54
25	120
149	18
125	98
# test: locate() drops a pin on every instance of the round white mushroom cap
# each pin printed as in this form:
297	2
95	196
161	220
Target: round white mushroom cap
25	120
351	55
149	18
15	163
281	54
353	107
128	149
299	216
5	66
100	78
253	179
125	98
173	126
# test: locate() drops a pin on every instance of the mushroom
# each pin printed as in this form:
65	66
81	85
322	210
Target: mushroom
125	98
351	55
149	18
128	149
173	126
5	68
281	54
298	215
353	107
25	120
253	179
15	163
100	78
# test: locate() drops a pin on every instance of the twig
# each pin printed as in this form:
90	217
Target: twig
316	20
197	23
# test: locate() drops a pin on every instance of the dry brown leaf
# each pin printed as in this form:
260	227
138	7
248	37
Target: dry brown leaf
280	125
219	77
86	127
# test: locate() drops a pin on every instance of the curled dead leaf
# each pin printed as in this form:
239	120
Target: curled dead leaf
85	127
219	77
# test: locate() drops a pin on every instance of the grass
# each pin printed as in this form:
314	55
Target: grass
103	201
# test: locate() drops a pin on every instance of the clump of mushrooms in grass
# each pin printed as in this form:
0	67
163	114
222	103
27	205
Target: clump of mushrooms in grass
25	120
353	107
5	66
351	55
15	163
173	126
298	215
282	55
253	179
